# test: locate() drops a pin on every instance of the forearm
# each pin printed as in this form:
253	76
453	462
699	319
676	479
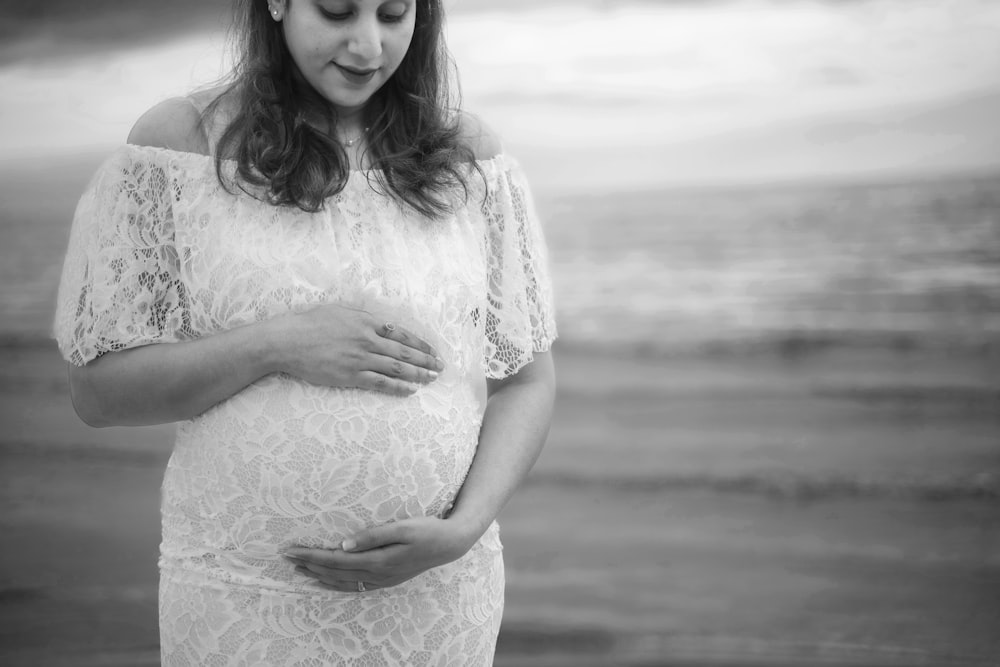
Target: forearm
163	383
515	425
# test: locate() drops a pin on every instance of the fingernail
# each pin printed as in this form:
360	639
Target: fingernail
433	374
348	545
440	363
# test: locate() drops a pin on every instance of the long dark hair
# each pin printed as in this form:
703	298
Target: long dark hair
414	139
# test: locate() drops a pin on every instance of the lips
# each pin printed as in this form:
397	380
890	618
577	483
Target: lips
356	76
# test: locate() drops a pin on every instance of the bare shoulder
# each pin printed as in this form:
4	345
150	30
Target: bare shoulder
480	137
173	124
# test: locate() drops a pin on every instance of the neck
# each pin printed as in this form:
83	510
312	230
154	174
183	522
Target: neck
352	140
347	130
350	126
351	120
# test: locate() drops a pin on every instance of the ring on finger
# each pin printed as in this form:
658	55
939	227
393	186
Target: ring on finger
389	328
361	587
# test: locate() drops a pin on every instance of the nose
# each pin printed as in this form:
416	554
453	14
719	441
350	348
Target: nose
366	39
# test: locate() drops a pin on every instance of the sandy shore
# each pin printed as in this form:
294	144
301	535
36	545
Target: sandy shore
837	509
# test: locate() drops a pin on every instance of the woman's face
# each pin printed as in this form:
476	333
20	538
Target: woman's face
347	49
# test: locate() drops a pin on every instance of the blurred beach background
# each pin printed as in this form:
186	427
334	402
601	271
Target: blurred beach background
774	229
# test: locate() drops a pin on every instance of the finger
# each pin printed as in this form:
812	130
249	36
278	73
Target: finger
401	370
350	587
325	557
429	361
384	384
406	338
389	347
373	564
377	536
330	560
329	575
341	584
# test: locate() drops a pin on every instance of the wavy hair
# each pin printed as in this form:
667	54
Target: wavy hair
414	145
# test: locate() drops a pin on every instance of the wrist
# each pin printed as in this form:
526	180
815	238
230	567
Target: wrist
269	351
258	347
468	528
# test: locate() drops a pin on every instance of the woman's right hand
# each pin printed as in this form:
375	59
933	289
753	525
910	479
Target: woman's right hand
339	346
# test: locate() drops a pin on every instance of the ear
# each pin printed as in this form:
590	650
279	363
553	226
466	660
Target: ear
276	9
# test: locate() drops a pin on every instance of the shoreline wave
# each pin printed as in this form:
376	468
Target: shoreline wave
789	485
775	485
779	486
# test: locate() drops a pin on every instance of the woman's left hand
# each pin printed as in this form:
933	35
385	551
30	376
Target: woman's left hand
385	555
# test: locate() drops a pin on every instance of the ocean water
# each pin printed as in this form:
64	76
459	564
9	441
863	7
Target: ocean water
676	150
909	265
906	265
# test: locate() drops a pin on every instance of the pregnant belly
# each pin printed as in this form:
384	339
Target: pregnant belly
284	463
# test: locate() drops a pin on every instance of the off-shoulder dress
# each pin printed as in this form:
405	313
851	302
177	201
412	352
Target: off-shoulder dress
160	253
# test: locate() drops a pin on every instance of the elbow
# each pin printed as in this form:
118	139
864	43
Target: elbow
90	418
88	412
84	399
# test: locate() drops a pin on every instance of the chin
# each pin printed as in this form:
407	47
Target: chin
352	101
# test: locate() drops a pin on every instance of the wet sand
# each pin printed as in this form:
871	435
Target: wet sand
840	508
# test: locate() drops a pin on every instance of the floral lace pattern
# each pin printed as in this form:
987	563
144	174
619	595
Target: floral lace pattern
160	253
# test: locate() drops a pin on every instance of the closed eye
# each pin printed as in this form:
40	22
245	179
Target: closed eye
344	16
335	16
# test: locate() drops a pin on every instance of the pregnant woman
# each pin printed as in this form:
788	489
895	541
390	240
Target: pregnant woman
337	284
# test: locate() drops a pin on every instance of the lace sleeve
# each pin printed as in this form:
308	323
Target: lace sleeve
120	285
520	318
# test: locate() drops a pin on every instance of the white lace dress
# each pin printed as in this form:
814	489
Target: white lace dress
160	253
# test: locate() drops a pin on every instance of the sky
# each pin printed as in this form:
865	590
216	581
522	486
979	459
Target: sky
822	87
